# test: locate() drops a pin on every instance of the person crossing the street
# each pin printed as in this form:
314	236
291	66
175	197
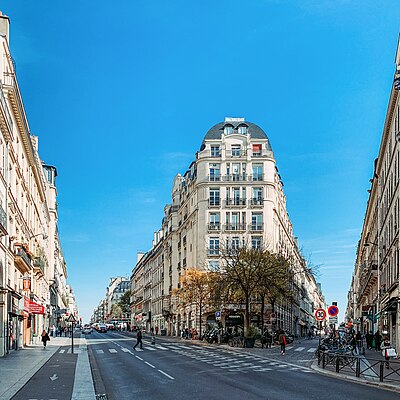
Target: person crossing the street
282	342
138	339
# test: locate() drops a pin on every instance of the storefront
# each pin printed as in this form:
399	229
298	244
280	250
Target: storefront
14	328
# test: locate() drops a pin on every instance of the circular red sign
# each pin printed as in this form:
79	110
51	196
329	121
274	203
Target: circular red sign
333	311
320	314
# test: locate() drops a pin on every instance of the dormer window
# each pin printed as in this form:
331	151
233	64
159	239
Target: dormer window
242	130
228	129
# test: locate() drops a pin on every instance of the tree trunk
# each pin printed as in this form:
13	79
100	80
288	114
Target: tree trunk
262	312
247	315
201	312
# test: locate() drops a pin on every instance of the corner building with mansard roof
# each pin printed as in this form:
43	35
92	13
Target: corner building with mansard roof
231	196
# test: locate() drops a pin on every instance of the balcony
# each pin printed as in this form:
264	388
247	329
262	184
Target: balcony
256	202
22	259
214	178
235	153
234	227
39	265
259	153
235	202
213	251
257	177
214	203
256	227
234	178
6	121
214	227
3	222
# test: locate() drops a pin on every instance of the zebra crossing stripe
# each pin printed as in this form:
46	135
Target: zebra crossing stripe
112	351
125	350
99	351
311	350
299	349
62	351
150	348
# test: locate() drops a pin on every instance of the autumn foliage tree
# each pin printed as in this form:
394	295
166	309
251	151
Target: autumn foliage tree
196	288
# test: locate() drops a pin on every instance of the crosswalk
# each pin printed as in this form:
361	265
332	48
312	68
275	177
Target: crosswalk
225	359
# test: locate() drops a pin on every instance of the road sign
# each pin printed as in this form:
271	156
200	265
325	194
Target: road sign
217	315
333	320
333	311
71	318
273	316
320	314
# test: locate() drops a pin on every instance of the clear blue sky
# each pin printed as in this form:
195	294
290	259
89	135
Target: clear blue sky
121	95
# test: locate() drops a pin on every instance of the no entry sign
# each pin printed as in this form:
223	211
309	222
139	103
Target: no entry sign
320	314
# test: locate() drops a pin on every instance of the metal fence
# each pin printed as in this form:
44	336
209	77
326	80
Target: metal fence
369	368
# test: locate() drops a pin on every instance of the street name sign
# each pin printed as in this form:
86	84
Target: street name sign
320	314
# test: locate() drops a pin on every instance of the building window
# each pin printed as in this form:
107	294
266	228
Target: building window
215	173
215	151
213	265
257	196
256	242
257	150
256	221
213	248
242	130
228	130
236	150
214	197
257	172
235	244
214	220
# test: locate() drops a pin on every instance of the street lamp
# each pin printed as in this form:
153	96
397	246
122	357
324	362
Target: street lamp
38	234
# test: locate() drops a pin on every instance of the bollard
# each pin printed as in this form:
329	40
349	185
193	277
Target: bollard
381	372
153	340
323	360
358	367
337	364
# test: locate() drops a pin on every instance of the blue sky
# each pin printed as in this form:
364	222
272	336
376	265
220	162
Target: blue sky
121	95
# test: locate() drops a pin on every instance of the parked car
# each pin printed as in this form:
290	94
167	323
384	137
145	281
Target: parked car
102	328
110	327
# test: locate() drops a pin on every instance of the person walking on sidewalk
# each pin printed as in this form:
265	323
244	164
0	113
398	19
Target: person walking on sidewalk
138	339
387	351
378	341
45	338
282	342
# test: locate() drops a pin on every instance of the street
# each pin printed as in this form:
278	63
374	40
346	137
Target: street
171	369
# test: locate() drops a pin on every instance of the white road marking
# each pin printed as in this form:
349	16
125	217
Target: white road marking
164	373
150	348
139	358
112	351
54	377
160	347
311	350
99	351
150	365
62	351
299	349
125	350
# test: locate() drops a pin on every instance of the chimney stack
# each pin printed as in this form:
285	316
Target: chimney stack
5	26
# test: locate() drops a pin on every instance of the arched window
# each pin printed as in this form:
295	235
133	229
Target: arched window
242	129
228	129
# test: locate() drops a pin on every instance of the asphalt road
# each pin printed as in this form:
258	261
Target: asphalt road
175	369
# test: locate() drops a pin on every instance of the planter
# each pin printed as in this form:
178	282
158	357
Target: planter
249	342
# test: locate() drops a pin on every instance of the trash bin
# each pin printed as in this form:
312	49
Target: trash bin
163	332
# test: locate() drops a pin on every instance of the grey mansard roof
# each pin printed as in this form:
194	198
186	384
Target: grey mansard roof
254	130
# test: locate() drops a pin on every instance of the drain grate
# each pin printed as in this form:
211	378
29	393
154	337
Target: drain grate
101	396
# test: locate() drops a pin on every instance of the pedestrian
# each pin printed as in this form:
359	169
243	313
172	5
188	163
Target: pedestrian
65	331
353	343
138	339
152	331
368	338
268	340
282	342
156	330
359	340
45	338
309	335
378	341
387	351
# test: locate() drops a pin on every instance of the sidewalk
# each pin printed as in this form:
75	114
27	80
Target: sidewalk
18	367
369	371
